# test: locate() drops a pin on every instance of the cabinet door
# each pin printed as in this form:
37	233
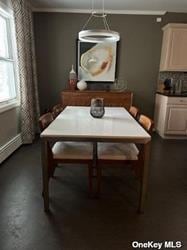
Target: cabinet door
178	51
174	52
165	52
176	121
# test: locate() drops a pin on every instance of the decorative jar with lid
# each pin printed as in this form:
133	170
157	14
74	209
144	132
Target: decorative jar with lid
97	109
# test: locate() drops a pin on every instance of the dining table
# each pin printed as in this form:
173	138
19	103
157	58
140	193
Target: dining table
75	123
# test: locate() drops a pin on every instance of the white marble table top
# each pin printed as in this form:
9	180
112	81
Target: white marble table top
76	122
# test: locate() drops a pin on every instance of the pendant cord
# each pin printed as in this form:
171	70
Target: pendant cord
106	23
90	17
87	22
92	6
94	14
103	5
98	35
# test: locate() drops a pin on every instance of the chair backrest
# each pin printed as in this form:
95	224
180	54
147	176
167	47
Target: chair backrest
45	120
134	111
56	110
146	122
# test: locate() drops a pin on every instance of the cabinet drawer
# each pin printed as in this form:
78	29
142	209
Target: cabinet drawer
177	100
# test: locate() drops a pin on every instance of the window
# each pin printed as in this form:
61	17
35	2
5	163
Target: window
8	90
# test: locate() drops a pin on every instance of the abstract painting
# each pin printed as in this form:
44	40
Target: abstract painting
96	62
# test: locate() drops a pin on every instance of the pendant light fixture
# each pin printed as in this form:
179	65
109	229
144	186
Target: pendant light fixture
98	35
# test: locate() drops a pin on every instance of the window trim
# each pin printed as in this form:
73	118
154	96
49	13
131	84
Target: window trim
7	105
7	13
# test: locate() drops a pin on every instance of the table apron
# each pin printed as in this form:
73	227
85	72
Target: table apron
97	139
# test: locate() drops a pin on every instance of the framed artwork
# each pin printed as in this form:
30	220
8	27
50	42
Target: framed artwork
96	62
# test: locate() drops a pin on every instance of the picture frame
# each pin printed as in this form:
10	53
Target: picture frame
96	62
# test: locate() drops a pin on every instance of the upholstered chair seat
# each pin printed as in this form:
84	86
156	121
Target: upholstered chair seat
72	150
117	151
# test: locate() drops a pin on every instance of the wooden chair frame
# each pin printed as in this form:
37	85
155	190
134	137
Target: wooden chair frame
56	110
52	163
134	111
147	124
44	122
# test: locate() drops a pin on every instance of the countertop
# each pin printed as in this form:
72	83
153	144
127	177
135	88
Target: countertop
170	93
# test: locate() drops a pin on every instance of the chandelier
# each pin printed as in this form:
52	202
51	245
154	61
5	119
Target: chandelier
98	35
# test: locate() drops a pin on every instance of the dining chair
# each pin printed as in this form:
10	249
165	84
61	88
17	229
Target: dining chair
67	152
134	111
56	110
45	120
123	154
147	123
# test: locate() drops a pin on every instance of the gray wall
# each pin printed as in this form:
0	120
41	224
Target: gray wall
9	125
138	60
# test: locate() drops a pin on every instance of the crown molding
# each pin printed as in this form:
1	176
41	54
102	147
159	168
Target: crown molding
88	11
175	25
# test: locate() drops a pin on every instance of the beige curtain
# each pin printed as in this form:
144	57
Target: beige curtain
27	69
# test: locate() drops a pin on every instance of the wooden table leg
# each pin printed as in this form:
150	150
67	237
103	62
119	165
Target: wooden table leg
45	174
95	167
144	177
95	155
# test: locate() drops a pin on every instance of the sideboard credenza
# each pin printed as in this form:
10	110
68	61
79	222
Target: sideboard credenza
83	98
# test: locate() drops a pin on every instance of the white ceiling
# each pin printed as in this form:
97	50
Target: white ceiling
113	6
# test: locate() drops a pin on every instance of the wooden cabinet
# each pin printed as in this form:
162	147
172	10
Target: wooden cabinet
170	116
174	48
83	98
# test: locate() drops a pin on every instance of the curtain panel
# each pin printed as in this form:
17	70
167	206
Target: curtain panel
28	89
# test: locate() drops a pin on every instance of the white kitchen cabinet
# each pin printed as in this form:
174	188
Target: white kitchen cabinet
171	116
174	48
177	120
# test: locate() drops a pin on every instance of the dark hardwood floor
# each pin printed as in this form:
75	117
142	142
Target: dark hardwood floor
77	222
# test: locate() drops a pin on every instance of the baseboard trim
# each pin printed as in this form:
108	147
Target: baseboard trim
7	149
165	136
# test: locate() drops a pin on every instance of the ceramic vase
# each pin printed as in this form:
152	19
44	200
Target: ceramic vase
82	85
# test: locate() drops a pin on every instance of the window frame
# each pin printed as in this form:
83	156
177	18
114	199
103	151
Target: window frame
7	14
